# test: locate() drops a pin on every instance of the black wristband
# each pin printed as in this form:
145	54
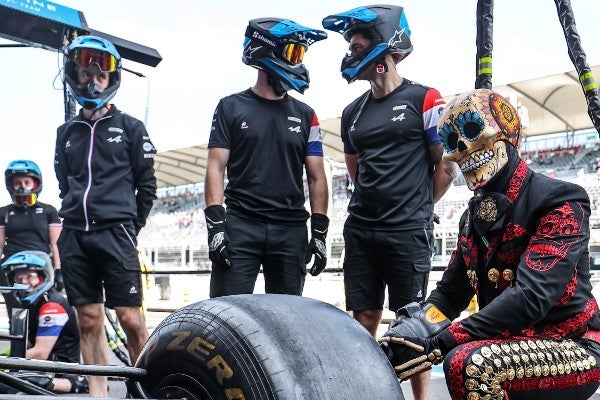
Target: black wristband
319	223
215	213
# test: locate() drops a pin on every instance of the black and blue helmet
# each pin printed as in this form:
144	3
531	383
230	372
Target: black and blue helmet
385	25
85	51
37	261
23	197
277	46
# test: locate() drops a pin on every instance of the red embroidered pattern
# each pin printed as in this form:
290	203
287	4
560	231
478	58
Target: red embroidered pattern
569	290
458	333
513	231
457	367
552	382
570	326
546	250
561	221
511	256
517	180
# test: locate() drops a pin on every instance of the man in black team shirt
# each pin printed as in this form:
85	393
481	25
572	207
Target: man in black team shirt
393	154
265	139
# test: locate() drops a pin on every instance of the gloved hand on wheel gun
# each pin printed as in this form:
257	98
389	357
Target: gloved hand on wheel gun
417	339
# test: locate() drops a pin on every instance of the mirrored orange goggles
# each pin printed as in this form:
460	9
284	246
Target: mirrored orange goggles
25	200
294	52
87	57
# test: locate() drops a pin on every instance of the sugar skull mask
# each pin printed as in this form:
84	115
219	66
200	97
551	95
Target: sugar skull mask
475	128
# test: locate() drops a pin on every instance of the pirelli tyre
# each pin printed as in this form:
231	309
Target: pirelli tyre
264	347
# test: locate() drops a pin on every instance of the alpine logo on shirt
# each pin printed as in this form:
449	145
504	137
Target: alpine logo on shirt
399	117
115	139
297	127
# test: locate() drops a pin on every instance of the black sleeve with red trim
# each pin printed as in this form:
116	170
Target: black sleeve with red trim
560	239
454	291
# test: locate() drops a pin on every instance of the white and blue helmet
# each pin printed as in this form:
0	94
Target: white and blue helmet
384	24
85	51
37	261
277	46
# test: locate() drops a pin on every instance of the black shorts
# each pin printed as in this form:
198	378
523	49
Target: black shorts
101	261
376	259
280	249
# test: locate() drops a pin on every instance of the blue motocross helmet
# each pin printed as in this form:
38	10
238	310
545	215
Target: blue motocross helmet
36	261
277	46
23	197
384	24
84	52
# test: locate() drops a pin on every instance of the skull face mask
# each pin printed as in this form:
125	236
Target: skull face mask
475	128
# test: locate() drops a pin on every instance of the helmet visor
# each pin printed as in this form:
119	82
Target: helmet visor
87	57
25	200
294	52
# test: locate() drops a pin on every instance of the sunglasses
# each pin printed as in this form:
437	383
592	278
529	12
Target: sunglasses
87	57
294	52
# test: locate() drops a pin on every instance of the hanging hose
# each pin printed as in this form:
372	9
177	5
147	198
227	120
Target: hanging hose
485	44
578	58
116	327
114	346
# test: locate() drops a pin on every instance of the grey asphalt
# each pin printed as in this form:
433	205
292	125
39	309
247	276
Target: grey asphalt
188	289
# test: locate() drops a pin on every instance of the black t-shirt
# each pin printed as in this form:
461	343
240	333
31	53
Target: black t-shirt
390	137
26	228
268	142
55	317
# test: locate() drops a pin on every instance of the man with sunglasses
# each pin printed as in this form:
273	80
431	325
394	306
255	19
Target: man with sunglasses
266	139
104	163
393	155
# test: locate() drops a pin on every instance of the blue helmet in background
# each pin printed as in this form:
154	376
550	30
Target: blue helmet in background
277	46
384	24
37	261
23	197
85	51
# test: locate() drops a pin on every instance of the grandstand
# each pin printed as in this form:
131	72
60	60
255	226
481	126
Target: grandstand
559	141
175	235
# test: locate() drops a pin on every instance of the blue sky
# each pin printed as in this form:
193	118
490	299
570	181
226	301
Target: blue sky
201	45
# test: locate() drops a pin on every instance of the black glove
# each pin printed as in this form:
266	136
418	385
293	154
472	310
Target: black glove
59	283
217	238
417	339
138	225
319	224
